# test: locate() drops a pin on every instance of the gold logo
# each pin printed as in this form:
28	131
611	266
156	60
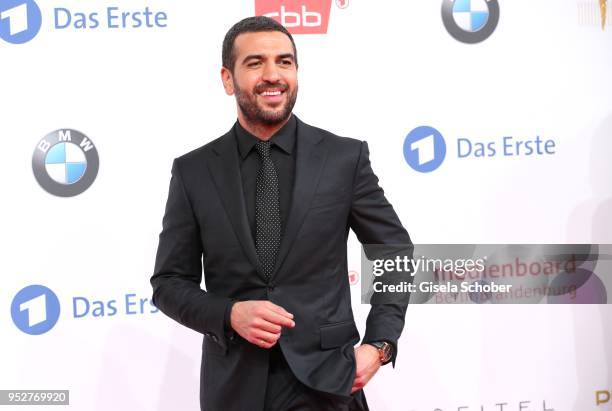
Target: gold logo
594	13
603	396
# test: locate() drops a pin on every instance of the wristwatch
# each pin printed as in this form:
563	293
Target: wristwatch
385	351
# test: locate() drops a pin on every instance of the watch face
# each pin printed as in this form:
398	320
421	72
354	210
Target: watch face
386	352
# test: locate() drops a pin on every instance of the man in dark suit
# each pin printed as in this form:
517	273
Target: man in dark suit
266	208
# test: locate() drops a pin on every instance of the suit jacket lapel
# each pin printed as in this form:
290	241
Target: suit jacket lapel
308	166
225	169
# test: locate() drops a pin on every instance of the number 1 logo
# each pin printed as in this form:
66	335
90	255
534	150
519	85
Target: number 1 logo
35	309
20	20
424	149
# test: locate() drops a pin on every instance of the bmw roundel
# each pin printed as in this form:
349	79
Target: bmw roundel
470	21
65	162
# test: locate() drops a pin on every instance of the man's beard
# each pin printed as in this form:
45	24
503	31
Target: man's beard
256	114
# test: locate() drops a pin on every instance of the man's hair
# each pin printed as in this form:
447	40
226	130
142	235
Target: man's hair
250	25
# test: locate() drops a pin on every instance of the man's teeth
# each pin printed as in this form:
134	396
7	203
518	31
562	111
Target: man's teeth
271	93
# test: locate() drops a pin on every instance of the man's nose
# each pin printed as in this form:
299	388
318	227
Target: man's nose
270	73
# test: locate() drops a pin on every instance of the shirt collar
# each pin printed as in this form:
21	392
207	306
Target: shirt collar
283	138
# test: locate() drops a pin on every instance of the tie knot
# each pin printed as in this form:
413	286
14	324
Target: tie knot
263	148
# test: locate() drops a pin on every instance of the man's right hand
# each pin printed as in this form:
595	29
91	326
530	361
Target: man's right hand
260	322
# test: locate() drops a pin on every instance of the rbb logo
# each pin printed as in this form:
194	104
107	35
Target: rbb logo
20	20
291	19
298	16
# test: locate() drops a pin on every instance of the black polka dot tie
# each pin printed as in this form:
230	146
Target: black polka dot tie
267	211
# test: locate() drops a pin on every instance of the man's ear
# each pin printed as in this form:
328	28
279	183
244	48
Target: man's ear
228	83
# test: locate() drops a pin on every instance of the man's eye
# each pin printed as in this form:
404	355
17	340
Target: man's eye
286	62
253	64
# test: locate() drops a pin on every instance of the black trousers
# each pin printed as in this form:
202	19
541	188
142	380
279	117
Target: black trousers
284	392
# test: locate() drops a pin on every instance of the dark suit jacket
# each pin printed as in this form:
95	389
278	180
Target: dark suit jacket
205	221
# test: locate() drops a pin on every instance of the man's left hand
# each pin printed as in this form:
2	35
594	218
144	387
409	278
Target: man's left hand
368	363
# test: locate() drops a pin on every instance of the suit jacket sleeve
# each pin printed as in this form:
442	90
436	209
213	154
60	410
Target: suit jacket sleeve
178	269
374	221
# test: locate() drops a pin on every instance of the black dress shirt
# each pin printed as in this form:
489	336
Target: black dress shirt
283	156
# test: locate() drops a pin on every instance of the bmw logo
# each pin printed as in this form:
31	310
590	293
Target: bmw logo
65	162
470	21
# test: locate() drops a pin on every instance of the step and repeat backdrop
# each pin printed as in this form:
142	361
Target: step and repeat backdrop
488	122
